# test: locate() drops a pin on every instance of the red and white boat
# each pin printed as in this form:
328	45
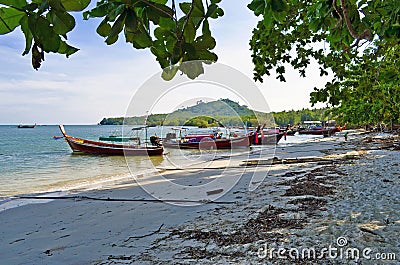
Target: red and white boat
79	145
206	141
265	139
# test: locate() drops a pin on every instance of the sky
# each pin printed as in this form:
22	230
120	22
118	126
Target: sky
99	80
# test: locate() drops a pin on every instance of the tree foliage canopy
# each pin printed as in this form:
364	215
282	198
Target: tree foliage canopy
356	40
174	33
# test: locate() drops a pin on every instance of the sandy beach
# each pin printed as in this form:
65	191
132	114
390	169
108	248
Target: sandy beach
337	204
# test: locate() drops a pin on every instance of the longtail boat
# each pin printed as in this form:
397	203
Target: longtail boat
317	128
116	138
79	145
206	141
318	131
266	139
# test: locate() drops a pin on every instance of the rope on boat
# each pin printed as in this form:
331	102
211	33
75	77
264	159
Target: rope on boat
120	199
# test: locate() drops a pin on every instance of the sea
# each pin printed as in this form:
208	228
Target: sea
33	162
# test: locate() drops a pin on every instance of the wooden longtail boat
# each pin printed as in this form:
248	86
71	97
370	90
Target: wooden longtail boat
207	141
115	138
79	145
322	131
266	139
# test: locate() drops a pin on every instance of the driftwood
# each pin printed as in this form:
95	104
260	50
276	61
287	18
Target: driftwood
275	160
212	192
119	199
146	235
297	160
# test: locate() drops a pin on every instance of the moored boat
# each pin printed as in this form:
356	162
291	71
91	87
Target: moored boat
115	138
320	131
317	128
26	126
206	141
79	145
265	139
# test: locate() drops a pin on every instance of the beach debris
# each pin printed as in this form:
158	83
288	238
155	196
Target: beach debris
391	142
17	240
314	183
120	257
146	235
328	159
80	198
265	224
190	252
292	173
309	188
49	252
212	192
309	204
275	160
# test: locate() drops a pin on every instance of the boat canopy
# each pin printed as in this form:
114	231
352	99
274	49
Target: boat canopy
312	122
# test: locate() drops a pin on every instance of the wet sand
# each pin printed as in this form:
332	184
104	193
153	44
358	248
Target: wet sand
348	194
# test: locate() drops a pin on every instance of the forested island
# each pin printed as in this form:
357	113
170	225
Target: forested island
222	112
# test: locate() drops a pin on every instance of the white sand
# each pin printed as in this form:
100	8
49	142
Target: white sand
100	232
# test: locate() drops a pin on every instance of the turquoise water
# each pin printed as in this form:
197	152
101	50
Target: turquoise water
31	161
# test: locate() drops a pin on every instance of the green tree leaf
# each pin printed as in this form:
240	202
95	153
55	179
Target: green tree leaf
14	3
169	72
192	69
257	6
189	32
167	23
9	19
62	21
141	40
75	5
27	33
67	49
104	28
44	34
101	10
116	29
185	7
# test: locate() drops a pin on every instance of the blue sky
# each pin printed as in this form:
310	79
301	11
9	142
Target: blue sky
99	80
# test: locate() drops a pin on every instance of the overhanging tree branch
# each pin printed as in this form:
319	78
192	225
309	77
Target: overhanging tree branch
335	7
159	9
366	34
186	20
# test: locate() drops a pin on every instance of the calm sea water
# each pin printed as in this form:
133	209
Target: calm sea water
31	161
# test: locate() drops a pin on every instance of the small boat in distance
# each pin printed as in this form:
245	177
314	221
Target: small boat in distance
26	126
79	145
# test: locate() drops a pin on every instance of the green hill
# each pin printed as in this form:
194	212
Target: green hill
222	111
